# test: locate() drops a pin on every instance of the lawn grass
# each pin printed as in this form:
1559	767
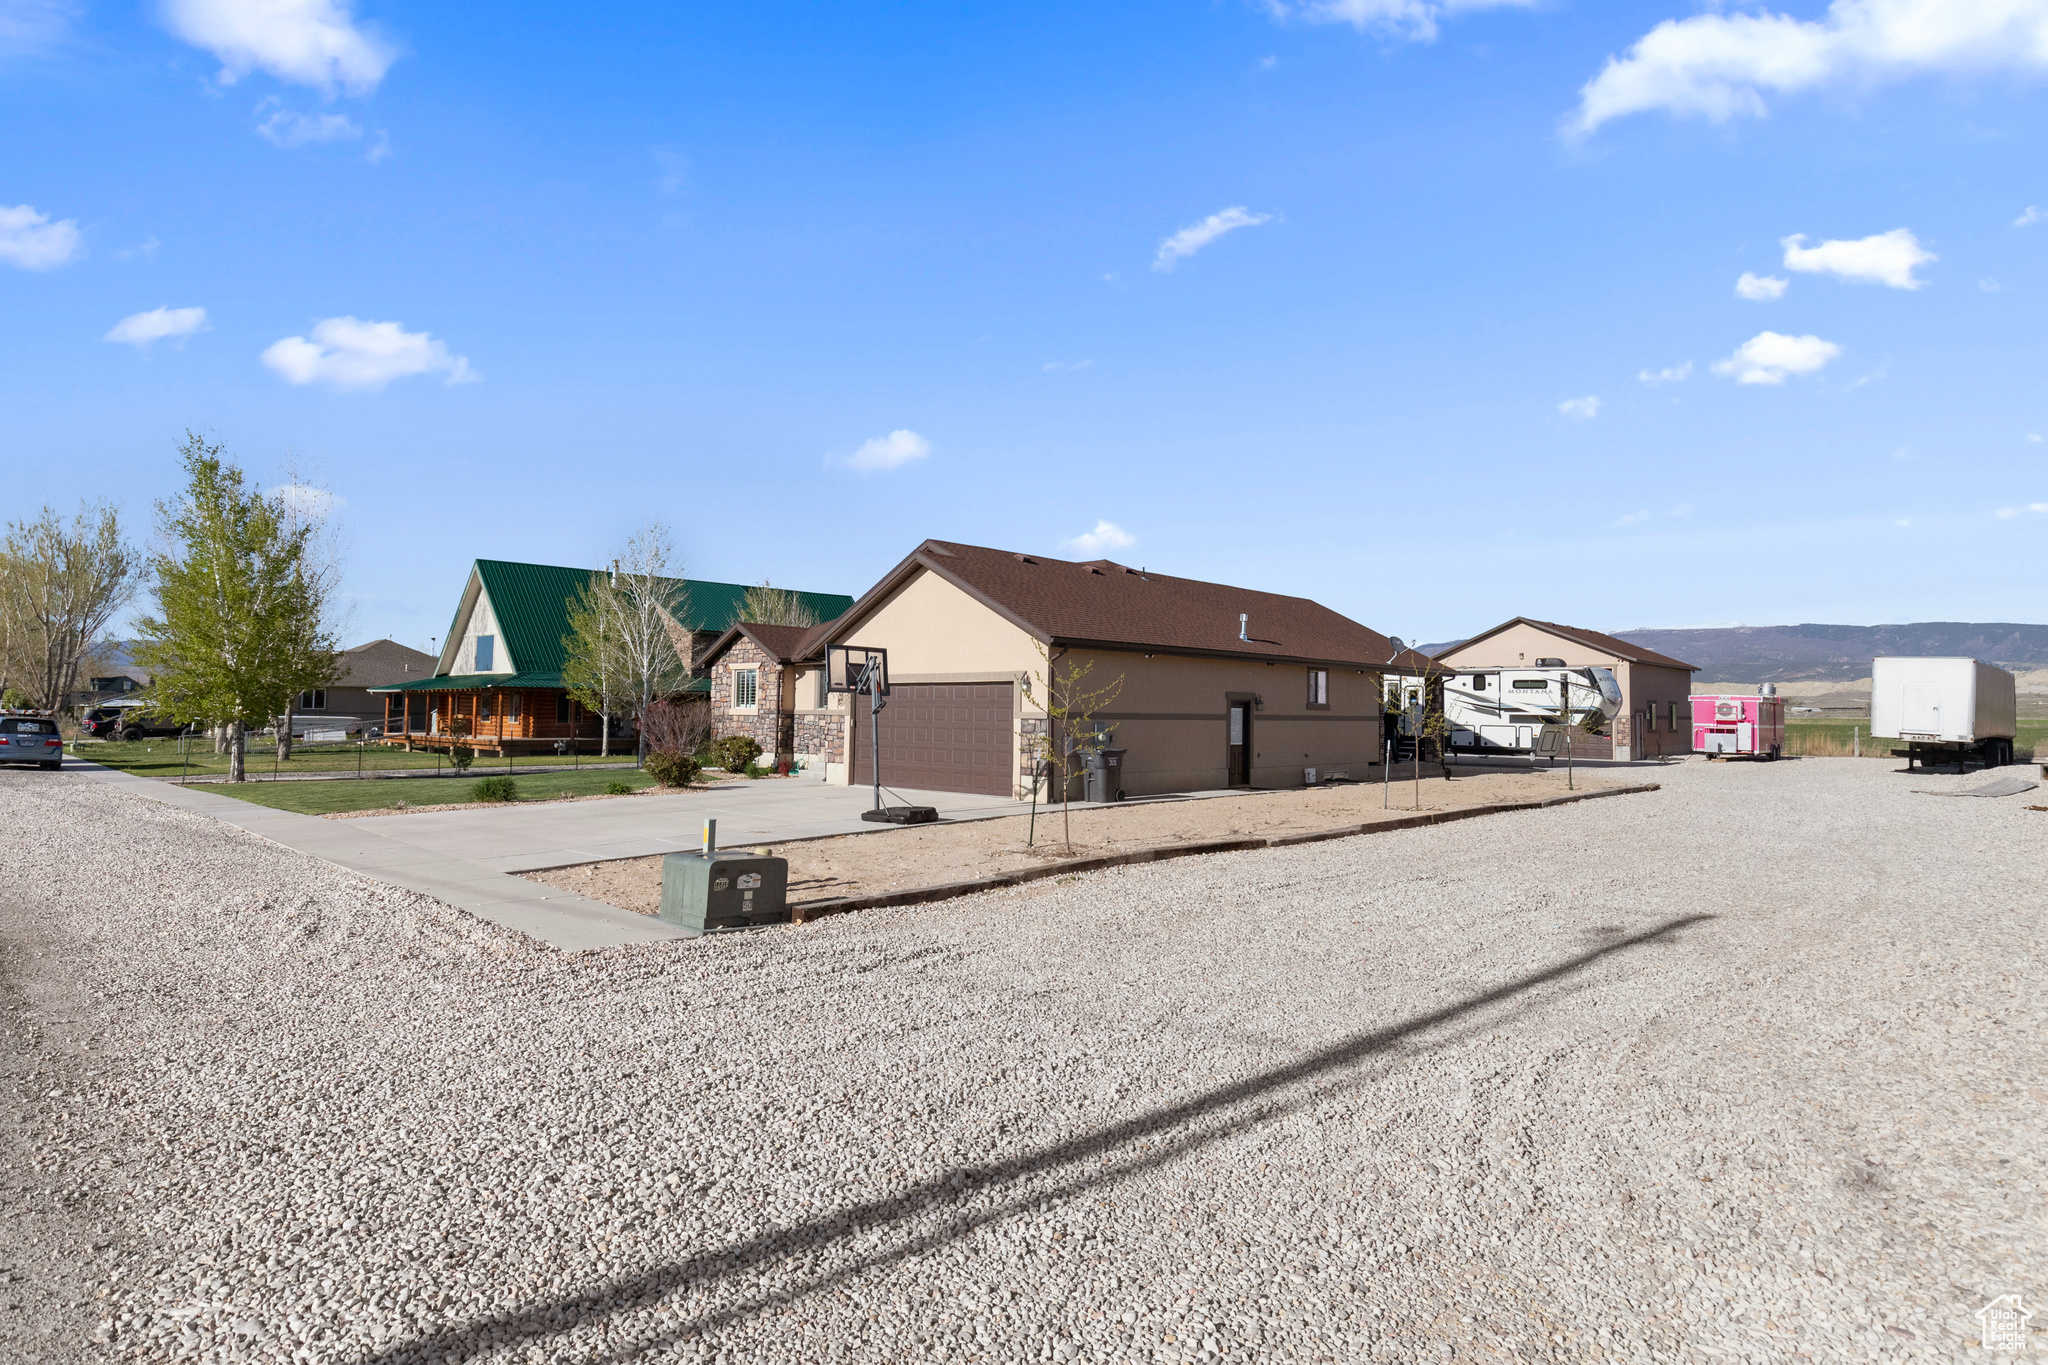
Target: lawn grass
343	794
160	758
1835	738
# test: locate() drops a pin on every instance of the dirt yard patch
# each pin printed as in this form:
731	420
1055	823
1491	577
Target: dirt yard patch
932	855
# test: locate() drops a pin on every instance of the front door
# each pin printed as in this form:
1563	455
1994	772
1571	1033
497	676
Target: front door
1240	744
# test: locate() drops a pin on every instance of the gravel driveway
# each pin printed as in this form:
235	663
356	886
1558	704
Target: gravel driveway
1750	1067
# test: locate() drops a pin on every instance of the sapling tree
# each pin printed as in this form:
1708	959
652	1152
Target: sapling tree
1061	690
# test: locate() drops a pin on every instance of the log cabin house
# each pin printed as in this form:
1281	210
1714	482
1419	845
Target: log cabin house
500	668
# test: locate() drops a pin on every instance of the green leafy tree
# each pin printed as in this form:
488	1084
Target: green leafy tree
236	631
60	587
1070	707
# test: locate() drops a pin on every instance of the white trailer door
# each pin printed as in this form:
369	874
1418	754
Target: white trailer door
1920	710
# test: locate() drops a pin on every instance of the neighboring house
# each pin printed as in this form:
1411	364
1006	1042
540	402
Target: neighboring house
112	687
351	703
500	668
1656	690
1205	704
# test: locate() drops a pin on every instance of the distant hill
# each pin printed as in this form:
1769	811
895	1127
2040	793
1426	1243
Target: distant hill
1819	653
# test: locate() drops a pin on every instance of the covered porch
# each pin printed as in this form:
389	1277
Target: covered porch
505	713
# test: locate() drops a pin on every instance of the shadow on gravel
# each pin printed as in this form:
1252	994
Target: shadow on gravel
1110	1154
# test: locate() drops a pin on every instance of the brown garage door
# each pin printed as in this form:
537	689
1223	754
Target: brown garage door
942	737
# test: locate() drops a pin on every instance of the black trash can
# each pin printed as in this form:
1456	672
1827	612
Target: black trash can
1104	774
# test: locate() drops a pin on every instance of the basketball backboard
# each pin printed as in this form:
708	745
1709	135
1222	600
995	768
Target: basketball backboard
845	664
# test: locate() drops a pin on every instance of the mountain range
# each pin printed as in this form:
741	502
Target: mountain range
1823	653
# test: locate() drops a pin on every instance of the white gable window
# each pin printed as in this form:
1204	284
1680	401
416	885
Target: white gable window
745	688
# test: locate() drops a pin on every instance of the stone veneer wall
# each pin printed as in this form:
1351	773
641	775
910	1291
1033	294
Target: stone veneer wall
770	724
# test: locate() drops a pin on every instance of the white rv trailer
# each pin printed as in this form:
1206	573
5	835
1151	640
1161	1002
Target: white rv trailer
1946	710
1504	710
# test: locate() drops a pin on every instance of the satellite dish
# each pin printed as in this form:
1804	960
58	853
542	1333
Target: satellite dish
1395	641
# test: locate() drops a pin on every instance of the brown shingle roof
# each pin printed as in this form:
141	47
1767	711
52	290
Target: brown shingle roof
381	663
784	644
1607	644
1104	603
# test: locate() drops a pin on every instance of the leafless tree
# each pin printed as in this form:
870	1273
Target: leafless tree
626	644
768	605
60	588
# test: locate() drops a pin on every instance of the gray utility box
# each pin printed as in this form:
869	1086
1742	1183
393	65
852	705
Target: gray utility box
724	891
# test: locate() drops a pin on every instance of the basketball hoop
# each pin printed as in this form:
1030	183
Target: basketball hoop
855	669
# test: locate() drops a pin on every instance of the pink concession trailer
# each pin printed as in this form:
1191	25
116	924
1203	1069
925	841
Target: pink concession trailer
1739	724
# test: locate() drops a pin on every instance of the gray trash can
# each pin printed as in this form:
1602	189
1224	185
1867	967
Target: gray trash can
1104	772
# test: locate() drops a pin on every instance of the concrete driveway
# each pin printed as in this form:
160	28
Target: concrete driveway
764	812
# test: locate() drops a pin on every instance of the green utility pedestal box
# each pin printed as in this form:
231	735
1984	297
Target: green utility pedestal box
722	891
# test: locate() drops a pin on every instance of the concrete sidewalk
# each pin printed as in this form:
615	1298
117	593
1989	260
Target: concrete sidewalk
528	838
554	917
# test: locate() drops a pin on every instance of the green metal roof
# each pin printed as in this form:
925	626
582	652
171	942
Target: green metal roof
474	682
532	606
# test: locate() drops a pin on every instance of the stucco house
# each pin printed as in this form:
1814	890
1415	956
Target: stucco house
350	703
1221	686
500	667
1656	689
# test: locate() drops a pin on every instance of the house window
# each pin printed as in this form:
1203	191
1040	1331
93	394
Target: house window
1319	689
562	709
512	706
745	688
316	700
483	708
486	652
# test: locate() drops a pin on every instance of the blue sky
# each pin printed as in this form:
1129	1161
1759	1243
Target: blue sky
1310	297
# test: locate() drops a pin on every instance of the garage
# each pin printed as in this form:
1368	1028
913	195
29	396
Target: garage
945	737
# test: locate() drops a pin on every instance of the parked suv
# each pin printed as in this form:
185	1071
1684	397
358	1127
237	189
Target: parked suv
30	739
126	722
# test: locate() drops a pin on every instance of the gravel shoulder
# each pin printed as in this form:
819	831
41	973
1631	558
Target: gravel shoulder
932	855
1746	1068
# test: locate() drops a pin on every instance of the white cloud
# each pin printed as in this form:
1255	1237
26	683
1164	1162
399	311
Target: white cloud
31	26
1413	19
1107	535
1759	288
1719	65
30	240
1670	374
314	504
1055	366
2037	507
158	324
2007	513
2030	217
1768	357
1885	258
1990	286
290	128
351	355
1903	521
379	149
1580	409
306	42
1635	518
2034	436
1189	240
893	451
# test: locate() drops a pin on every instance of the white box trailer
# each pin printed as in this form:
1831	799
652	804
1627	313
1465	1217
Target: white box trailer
1945	710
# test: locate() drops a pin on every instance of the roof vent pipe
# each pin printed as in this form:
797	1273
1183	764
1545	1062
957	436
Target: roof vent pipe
1244	627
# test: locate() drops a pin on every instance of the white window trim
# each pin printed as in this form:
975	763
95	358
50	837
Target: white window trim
753	707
